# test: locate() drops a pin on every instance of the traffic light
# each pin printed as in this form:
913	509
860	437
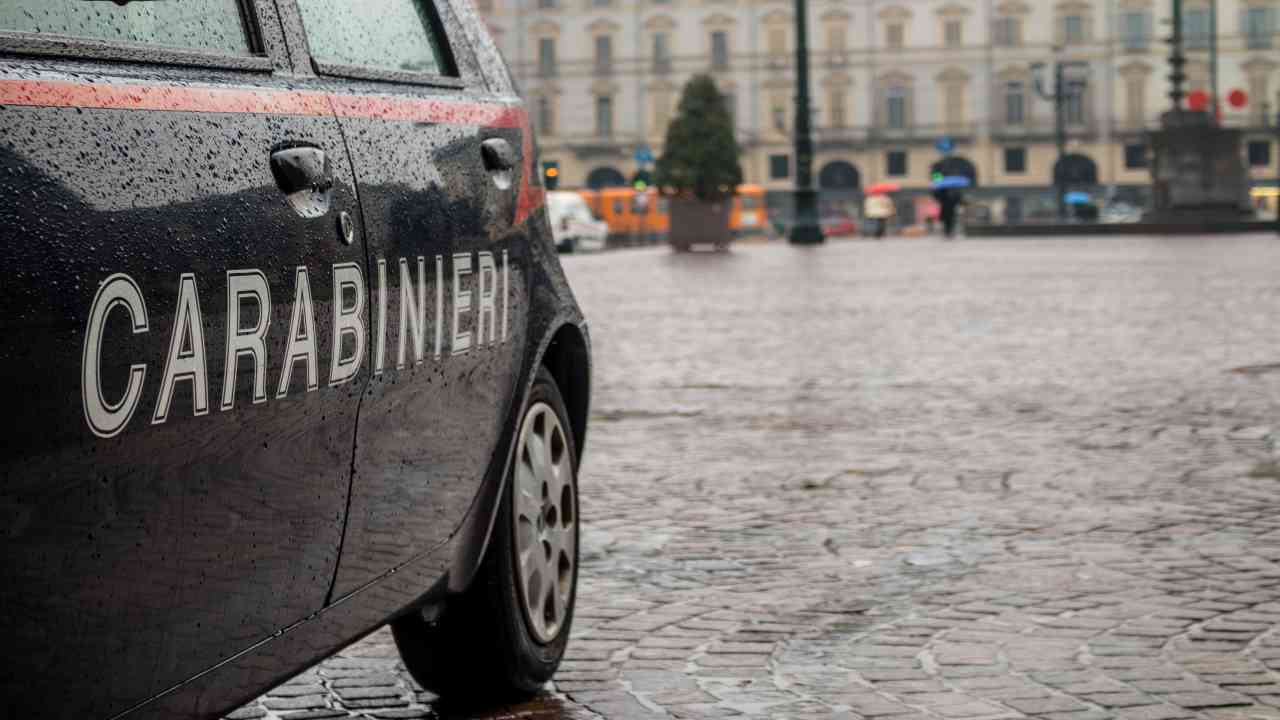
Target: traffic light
551	174
641	180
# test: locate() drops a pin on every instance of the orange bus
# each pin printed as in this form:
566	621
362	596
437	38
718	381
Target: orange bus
637	217
748	216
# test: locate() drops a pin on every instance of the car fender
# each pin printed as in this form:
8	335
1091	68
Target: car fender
472	538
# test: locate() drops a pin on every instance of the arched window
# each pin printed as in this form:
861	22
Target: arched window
839	175
603	177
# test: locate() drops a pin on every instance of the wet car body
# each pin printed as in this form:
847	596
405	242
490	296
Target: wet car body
268	332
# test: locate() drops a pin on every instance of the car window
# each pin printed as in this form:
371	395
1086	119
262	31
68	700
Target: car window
395	35
205	25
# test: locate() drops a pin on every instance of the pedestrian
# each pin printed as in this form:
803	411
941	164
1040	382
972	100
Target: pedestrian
948	206
878	208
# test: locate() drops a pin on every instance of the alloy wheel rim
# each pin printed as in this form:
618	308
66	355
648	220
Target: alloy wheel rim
545	518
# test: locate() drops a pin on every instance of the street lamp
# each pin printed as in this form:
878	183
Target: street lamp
1063	90
805	230
1275	124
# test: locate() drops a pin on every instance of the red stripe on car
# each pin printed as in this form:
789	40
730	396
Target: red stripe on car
185	98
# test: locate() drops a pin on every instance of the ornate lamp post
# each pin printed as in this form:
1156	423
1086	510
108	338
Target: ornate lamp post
1063	90
805	230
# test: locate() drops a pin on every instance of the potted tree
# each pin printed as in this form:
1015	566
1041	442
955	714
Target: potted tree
699	170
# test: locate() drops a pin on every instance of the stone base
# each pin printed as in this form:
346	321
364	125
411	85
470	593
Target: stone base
1198	171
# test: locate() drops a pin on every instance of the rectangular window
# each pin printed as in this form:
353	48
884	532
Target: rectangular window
661	53
719	50
896	108
1073	109
779	167
1259	153
1133	31
604	115
1015	160
895	163
1015	108
894	33
731	104
394	35
836	101
1136	89
214	26
661	101
1073	29
547	57
1195	29
604	54
1257	28
777	41
1135	156
836	38
1008	32
546	119
546	4
953	33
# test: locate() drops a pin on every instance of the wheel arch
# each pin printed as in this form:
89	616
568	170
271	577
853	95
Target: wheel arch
568	360
567	356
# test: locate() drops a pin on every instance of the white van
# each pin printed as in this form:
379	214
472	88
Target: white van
574	226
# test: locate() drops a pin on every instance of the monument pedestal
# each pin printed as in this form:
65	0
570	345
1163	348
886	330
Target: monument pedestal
1197	170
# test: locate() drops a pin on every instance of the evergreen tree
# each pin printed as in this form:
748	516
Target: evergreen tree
701	154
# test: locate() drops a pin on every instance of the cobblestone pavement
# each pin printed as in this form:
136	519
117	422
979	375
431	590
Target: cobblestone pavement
917	479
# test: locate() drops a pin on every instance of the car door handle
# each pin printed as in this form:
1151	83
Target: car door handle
498	155
305	176
301	169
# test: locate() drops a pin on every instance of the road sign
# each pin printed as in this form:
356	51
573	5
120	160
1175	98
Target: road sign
644	155
945	145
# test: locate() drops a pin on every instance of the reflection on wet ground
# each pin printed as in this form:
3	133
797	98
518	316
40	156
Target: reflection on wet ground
916	480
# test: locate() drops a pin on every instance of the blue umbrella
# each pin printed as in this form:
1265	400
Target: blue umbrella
1076	197
950	181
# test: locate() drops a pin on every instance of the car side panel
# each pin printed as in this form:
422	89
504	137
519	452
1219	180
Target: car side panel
429	428
132	562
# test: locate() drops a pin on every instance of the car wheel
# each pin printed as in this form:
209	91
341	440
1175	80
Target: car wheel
507	633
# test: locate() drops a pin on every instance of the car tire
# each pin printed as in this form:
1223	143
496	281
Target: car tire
489	641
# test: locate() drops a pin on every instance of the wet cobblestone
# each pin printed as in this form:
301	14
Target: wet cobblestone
915	480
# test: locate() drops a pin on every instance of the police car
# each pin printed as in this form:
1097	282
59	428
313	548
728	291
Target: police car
288	354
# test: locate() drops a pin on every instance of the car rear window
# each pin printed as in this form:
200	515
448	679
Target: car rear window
216	26
395	35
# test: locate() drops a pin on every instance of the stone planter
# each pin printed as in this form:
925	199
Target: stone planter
694	222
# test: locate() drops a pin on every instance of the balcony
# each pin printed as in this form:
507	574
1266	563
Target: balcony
661	66
858	138
1042	130
925	134
1135	44
598	146
602	68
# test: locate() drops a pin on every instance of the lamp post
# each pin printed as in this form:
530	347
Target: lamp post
805	230
1176	59
1265	114
1063	90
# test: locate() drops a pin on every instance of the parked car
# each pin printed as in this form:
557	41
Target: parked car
289	350
838	225
575	227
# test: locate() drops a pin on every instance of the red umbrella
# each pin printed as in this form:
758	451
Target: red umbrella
882	188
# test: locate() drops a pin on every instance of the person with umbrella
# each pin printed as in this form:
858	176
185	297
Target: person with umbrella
878	206
946	191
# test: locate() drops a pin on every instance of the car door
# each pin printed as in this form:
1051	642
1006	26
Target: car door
439	161
178	429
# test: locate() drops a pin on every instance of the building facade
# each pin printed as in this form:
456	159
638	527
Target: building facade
888	79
